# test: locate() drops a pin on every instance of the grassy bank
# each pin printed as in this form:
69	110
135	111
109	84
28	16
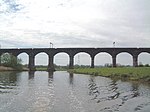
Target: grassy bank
45	69
131	73
41	68
3	68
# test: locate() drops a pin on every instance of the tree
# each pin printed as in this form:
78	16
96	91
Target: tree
9	60
141	64
146	65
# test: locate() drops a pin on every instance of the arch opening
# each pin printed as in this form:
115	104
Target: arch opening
24	58
61	60
82	59
103	59
124	59
41	60
144	59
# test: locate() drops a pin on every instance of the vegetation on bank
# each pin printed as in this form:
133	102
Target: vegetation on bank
45	69
131	73
41	68
11	62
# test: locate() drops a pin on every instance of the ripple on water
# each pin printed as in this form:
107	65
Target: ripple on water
117	96
75	103
60	92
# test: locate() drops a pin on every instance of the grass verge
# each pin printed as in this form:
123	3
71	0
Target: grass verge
131	73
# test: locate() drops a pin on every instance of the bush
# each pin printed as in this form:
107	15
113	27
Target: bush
9	60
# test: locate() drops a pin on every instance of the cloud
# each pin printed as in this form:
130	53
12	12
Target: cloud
75	23
9	6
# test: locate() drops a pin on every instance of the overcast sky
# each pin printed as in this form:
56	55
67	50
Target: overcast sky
74	23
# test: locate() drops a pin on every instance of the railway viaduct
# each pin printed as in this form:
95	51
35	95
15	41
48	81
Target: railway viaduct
51	52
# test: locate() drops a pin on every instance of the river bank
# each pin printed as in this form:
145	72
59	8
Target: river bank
128	73
3	68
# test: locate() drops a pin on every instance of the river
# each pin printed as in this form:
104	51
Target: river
64	92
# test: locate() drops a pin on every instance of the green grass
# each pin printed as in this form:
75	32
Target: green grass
45	69
41	68
131	73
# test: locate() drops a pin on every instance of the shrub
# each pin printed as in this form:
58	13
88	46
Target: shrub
9	60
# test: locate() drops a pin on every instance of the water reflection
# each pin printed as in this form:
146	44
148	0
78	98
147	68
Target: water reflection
93	89
50	77
8	78
31	74
113	89
135	89
62	91
8	81
71	78
132	93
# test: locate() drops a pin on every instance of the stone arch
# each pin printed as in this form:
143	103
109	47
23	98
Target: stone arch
103	59
24	57
41	58
124	59
144	58
82	58
61	59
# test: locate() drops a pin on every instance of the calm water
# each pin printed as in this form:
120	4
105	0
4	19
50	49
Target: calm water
64	92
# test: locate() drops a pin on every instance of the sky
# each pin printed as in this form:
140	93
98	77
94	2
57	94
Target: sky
75	23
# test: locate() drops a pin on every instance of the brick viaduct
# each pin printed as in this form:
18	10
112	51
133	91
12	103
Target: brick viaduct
51	52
